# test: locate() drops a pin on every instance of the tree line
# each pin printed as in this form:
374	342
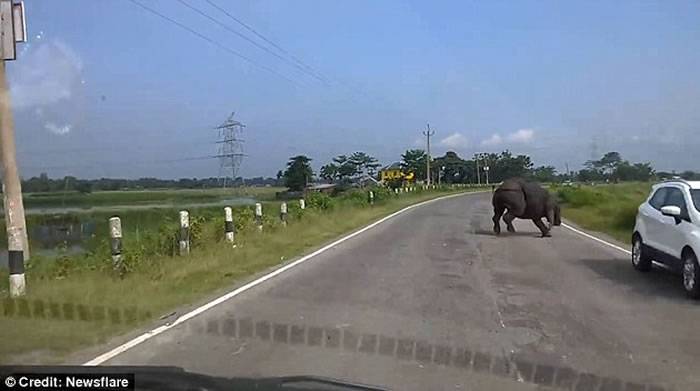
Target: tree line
451	168
346	170
43	183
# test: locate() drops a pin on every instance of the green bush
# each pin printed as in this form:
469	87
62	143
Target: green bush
355	197
382	194
243	218
319	201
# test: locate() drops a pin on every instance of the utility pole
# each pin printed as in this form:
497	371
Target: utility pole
486	166
427	134
478	173
12	30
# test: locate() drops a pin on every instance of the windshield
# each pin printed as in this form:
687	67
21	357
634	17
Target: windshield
401	193
695	194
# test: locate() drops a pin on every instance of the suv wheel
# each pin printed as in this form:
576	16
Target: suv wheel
691	275
640	258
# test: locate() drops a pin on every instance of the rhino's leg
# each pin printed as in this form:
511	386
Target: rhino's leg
497	213
543	228
550	218
508	218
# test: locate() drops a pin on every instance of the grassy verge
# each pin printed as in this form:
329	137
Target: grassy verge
73	304
610	209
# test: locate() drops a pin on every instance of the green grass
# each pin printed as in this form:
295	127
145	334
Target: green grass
157	283
141	197
610	209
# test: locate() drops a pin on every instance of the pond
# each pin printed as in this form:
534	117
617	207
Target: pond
239	201
72	228
46	238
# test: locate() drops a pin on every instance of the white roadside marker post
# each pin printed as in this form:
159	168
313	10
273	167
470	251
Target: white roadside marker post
228	224
258	216
283	213
115	235
184	232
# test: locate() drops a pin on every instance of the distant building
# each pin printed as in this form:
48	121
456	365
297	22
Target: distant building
320	188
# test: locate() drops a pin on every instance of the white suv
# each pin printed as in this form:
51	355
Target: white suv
667	230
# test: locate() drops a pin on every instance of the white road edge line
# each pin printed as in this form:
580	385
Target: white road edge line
589	236
158	330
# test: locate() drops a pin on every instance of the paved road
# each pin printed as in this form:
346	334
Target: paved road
432	300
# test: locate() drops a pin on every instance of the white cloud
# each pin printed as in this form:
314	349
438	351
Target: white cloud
495	139
521	136
57	129
455	140
50	72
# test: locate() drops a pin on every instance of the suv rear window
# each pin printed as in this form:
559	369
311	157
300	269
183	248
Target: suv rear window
657	201
695	195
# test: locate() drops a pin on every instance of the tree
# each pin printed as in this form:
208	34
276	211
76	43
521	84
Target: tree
280	178
329	172
414	160
633	172
589	175
606	166
364	163
610	161
506	166
456	169
298	173
544	174
44	183
346	168
84	187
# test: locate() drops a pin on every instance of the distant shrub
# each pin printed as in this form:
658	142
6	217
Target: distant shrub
319	201
382	194
243	218
355	197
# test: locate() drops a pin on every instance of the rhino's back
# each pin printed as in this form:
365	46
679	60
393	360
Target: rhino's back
537	198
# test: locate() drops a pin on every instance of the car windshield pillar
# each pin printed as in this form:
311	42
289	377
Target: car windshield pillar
695	195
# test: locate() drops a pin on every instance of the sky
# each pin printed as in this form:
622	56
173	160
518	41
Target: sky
108	89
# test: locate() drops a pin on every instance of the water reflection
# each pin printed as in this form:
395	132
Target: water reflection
52	235
58	235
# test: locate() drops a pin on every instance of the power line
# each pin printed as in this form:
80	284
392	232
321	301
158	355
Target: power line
213	42
278	47
269	41
229	29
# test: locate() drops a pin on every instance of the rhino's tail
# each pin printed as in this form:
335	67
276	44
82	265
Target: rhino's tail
557	215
